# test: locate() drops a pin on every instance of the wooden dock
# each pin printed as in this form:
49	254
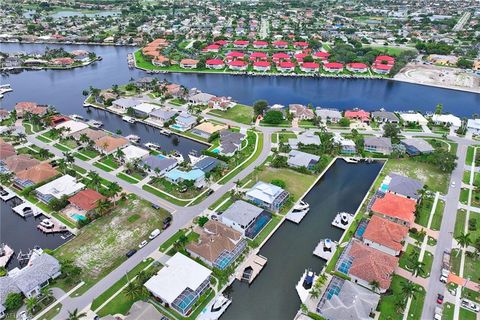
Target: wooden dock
251	268
325	254
8	253
6	194
57	227
296	217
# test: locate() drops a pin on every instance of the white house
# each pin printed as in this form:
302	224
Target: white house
240	215
473	126
414	118
64	186
71	126
144	109
267	195
447	119
132	152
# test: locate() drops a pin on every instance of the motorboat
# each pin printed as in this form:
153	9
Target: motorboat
4	88
152	146
219	303
308	281
133	138
76	117
344	218
165	132
351	160
177	156
128	119
302	205
327	245
95	123
47	223
215	309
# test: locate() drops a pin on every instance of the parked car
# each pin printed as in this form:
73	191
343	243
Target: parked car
209	192
443	279
143	244
470	305
165	225
23	315
154	206
131	253
154	234
167	220
440	298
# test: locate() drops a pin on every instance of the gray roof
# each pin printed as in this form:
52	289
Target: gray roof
162	114
405	186
155	162
419	144
230	141
328	113
301	159
380	142
126	102
207	164
387	115
353	302
42	268
202	97
242	212
306	138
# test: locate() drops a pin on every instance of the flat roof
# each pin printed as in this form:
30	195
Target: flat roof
242	212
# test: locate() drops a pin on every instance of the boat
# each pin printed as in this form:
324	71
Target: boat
177	156
128	119
165	132
308	280
351	160
76	117
152	146
133	138
302	205
4	88
327	245
95	123
215	308
47	223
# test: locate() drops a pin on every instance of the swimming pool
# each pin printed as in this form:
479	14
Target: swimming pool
384	187
78	217
258	225
215	150
177	127
161	156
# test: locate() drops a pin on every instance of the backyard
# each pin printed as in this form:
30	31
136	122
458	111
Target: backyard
239	113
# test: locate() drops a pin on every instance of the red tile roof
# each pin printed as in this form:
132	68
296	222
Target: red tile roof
6	150
396	207
310	65
261	64
357	114
386	233
333	65
214	62
38	173
321	54
357	65
86	199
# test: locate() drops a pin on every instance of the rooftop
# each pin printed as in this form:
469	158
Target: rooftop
386	233
396	207
242	212
265	192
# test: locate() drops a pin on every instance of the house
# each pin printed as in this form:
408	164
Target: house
176	176
144	109
65	61
285	66
442	59
383	116
357	67
300	45
64	186
350	301
383	59
7	286
230	142
473	126
258	44
403	186
299	159
18	163
162	116
221	103
206	129
414	118
71	126
4	114
146	82
395	208
23	108
201	98
206	164
416	146
358	114
332	115
235	55
184	122
238	65
241	43
305	138
381	145
309	67
158	164
245	218
215	64
218	245
280	56
267	195
92	134
109	144
6	150
212	48
188	63
333	67
34	175
447	120
321	55
301	112
300	56
381	68
83	203
131	153
258	56
261	66
385	235
123	104
280	44
58	119
347	146
180	283
365	265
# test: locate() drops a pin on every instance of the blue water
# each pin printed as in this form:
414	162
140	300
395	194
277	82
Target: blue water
384	187
78	217
258	225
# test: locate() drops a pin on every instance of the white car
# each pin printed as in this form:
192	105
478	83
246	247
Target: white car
470	305
154	234
23	315
142	244
453	184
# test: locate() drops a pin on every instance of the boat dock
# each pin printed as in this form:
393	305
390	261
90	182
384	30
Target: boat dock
296	217
303	288
251	268
57	227
27	209
323	251
6	194
5	254
342	220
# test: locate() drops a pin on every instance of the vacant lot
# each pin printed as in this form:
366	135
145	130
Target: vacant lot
239	113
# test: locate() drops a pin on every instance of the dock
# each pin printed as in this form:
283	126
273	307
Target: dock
325	254
57	227
251	268
27	209
342	220
5	254
301	290
6	194
297	216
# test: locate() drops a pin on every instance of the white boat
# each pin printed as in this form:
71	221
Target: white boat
302	205
327	244
95	123
128	119
177	156
133	138
165	132
351	160
152	146
4	88
76	117
47	223
215	308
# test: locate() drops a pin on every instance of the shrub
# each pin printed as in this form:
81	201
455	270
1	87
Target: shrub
279	183
202	220
13	301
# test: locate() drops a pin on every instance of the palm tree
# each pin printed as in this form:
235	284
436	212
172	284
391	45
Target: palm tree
421	235
408	289
464	240
47	293
69	158
134	290
119	154
103	206
31	304
114	189
95	180
84	139
74	315
375	285
400	305
62	165
417	267
43	153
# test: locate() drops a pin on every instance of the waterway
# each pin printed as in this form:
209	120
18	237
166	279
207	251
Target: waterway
290	250
21	234
64	88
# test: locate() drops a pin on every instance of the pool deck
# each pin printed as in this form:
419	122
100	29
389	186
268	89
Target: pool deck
254	261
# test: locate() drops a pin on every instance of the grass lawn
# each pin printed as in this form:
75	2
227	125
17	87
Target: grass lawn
72	144
43	139
405	260
469	158
239	113
387	302
52	312
102	166
177	102
437	216
51	135
80	156
30	128
427	173
162	195
172	239
448	310
173	189
470	294
78	169
474	226
110	161
127	178
89	153
101	246
472	268
467	314
285	135
61	147
220	200
424	209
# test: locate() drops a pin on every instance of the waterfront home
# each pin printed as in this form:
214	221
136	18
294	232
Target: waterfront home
144	109
364	265
258	56
347	146
333	67
267	195
162	116
71	126
215	64
299	159
285	66
158	165
416	146
131	153
145	82
381	68
238	65
180	283
206	129
396	208
235	56
218	245
245	218
82	203
381	145
261	66
4	114
207	164
58	119
188	63
64	186
402	186
309	67
123	104
18	163
280	56
176	176
34	175
6	150
300	56
221	103
383	116
414	118
447	120
385	235
109	144
184	122
200	98
7	286
230	142
92	134
349	300
358	114
174	90
442	59
301	112
321	55
23	108
473	126
62	62
328	115
304	138
357	67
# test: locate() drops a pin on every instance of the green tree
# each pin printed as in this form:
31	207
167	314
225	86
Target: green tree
417	267
95	180
439	108
344	122
273	117
31	304
375	285
202	221
75	315
259	107
13	301
464	240
408	289
391	130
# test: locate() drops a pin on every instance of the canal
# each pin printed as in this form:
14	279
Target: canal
289	251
